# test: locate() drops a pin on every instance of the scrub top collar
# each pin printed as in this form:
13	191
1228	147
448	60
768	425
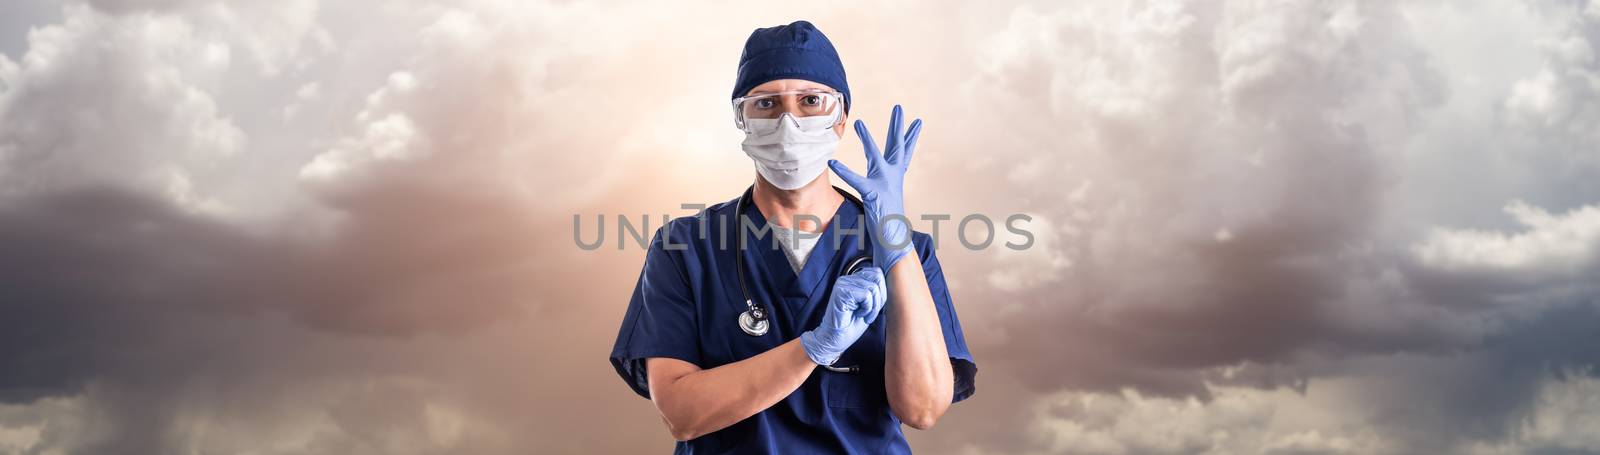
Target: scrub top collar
775	269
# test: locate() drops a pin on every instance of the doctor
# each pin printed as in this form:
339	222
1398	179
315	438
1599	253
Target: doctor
750	344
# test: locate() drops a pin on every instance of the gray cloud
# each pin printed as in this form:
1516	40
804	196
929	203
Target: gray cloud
1233	167
1228	229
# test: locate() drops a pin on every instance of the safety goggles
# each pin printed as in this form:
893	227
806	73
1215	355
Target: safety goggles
797	103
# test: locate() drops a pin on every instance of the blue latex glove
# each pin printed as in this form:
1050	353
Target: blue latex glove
857	299
883	189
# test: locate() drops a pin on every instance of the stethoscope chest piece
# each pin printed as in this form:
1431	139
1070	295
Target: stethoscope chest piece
753	322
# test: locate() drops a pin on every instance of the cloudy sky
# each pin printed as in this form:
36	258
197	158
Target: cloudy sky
345	227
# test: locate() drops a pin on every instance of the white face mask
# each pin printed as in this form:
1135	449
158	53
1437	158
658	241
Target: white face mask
791	152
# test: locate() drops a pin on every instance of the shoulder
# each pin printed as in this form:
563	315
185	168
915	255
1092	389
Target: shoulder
924	245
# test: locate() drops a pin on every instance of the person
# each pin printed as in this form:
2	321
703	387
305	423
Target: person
740	345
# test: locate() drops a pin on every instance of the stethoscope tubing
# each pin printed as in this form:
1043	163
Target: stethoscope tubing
755	321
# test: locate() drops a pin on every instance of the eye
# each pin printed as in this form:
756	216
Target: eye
811	100
765	103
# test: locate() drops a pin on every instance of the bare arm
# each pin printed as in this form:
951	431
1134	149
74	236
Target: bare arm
917	369
694	402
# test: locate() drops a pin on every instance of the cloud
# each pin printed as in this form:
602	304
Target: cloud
1566	241
1285	126
63	87
141	288
1338	416
1267	122
1260	227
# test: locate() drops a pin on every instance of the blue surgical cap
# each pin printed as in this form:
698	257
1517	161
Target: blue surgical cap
794	51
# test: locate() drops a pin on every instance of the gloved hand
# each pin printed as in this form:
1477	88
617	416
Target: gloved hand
883	189
857	299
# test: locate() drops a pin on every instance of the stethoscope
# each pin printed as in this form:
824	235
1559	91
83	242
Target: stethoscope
754	321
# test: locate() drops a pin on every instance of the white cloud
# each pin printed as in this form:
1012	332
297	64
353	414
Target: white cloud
1337	416
19	439
392	137
1234	421
1551	241
148	108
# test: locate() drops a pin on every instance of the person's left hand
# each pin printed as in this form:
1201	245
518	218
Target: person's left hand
883	189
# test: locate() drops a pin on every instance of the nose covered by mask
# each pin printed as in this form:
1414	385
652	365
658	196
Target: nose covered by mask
789	151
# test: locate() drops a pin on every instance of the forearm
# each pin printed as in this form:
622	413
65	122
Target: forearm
917	371
704	401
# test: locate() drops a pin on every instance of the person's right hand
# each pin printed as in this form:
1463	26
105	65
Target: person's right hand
857	299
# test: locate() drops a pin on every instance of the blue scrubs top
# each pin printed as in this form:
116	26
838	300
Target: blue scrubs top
687	304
